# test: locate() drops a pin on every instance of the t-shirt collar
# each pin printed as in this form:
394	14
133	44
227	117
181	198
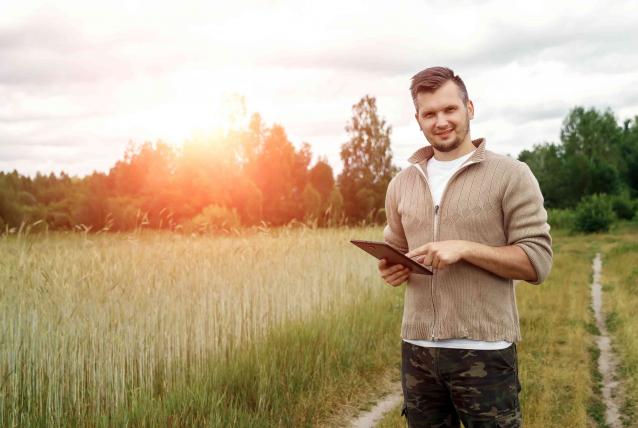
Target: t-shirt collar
426	152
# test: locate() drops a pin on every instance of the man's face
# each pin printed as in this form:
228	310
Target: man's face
443	117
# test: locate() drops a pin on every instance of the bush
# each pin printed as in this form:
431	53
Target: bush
379	217
561	218
123	213
594	213
311	203
623	206
214	218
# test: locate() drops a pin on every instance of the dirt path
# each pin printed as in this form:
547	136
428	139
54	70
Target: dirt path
373	416
606	360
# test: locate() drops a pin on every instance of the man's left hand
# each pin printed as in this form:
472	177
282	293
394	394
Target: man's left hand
439	254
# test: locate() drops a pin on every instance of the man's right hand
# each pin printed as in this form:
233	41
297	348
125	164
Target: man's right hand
394	275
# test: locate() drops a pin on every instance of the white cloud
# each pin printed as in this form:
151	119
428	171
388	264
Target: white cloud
78	74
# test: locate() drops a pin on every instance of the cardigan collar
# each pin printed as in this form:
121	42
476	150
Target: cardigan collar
426	152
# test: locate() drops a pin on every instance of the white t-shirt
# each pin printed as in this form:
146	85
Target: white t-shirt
439	173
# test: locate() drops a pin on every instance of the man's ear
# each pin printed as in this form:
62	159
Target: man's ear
416	116
470	109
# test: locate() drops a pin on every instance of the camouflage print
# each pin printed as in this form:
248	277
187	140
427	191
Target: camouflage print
444	386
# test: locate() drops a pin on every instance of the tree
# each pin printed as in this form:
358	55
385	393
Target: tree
322	178
548	165
311	203
273	173
333	215
590	159
592	152
367	161
592	134
629	151
247	199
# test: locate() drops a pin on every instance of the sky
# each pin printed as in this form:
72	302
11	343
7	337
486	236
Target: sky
80	80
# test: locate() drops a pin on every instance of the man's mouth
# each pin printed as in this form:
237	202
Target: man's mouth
444	134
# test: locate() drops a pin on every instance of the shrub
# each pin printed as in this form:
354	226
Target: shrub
561	218
623	206
594	213
123	213
379	217
58	220
311	203
213	218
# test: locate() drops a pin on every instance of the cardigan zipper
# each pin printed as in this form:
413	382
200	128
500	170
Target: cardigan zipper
434	238
435	232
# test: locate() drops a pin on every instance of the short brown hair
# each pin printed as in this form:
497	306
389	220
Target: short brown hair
431	79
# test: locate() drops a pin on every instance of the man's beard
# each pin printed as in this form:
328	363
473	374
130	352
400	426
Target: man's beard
447	147
461	133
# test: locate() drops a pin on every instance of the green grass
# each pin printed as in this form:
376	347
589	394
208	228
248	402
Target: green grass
557	357
298	376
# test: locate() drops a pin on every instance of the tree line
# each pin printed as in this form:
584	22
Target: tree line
247	175
590	178
253	175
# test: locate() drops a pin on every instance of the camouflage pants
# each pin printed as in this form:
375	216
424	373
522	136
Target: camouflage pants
444	386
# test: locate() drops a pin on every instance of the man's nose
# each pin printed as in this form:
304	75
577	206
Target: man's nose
441	121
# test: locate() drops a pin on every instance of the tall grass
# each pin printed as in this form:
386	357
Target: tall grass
99	328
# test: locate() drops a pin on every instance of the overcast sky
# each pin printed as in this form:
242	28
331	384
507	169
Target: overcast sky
78	80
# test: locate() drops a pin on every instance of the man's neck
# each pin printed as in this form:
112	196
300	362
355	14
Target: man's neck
465	148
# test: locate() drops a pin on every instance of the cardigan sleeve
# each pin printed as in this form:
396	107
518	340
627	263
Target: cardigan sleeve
525	220
393	233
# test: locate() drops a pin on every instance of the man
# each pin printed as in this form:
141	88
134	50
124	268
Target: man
477	219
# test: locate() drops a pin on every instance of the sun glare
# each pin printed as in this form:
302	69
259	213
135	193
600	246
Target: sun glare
196	104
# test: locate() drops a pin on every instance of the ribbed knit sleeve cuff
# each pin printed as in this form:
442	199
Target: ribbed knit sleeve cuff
540	255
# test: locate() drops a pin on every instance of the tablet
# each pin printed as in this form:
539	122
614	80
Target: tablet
381	250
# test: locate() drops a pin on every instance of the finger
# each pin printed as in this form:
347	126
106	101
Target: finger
417	251
429	256
400	279
393	269
435	262
394	275
392	278
418	259
383	263
385	275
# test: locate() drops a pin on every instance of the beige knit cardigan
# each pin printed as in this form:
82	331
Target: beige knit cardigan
492	199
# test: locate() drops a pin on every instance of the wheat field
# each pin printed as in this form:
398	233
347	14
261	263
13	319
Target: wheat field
287	327
94	325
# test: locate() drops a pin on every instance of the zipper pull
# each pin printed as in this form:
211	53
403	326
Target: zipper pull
436	210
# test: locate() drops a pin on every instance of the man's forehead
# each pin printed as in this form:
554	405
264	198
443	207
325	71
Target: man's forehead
447	94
